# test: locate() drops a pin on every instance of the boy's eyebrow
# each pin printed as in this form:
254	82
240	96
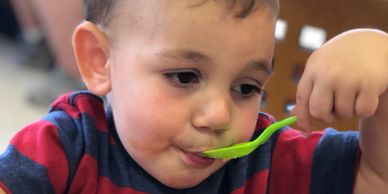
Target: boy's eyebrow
261	65
186	54
200	57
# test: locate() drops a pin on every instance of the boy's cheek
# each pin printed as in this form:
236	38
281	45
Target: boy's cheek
247	128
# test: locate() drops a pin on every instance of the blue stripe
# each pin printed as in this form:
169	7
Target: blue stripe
334	163
22	175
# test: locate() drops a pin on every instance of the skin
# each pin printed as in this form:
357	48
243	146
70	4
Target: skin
224	60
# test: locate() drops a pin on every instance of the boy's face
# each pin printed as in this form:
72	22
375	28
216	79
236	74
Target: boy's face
185	80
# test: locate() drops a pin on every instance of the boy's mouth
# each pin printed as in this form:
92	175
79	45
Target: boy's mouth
196	159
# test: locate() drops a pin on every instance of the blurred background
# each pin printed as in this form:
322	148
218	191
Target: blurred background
37	63
36	59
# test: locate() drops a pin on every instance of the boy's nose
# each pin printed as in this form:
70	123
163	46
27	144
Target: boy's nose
213	114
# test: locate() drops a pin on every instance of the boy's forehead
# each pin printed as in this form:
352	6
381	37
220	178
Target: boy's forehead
159	12
141	8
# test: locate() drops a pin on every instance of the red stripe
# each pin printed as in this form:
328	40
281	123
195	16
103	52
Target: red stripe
85	180
5	189
292	163
92	106
40	143
61	99
256	185
263	121
112	140
63	103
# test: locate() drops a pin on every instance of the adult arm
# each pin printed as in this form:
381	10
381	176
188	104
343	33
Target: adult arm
346	78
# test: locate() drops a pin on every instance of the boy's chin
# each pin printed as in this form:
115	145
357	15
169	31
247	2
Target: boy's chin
181	183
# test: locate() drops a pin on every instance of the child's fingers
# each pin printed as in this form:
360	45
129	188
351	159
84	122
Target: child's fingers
366	103
302	103
321	102
345	102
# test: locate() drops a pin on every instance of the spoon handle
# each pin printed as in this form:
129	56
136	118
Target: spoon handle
273	128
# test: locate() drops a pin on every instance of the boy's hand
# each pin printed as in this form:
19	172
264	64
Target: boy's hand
344	78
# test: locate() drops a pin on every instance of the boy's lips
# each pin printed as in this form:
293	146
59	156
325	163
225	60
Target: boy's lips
196	159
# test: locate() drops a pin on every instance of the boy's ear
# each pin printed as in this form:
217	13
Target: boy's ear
91	52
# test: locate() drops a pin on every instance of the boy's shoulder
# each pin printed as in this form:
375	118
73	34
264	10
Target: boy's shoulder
81	108
72	118
68	115
77	103
67	137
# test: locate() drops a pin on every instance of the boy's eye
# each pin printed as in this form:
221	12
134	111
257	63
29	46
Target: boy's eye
247	90
183	78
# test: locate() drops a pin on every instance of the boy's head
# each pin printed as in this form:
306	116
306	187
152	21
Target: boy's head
99	11
182	76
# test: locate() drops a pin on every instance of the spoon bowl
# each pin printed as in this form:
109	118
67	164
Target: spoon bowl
243	149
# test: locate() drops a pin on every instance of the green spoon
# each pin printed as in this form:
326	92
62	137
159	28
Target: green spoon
243	149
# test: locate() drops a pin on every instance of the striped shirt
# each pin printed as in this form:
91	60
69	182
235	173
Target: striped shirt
75	149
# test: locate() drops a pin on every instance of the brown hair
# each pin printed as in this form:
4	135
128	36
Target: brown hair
98	11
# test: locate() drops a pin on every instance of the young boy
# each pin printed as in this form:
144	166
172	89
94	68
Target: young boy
183	77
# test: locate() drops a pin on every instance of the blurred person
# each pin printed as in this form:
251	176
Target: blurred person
8	24
36	54
56	21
